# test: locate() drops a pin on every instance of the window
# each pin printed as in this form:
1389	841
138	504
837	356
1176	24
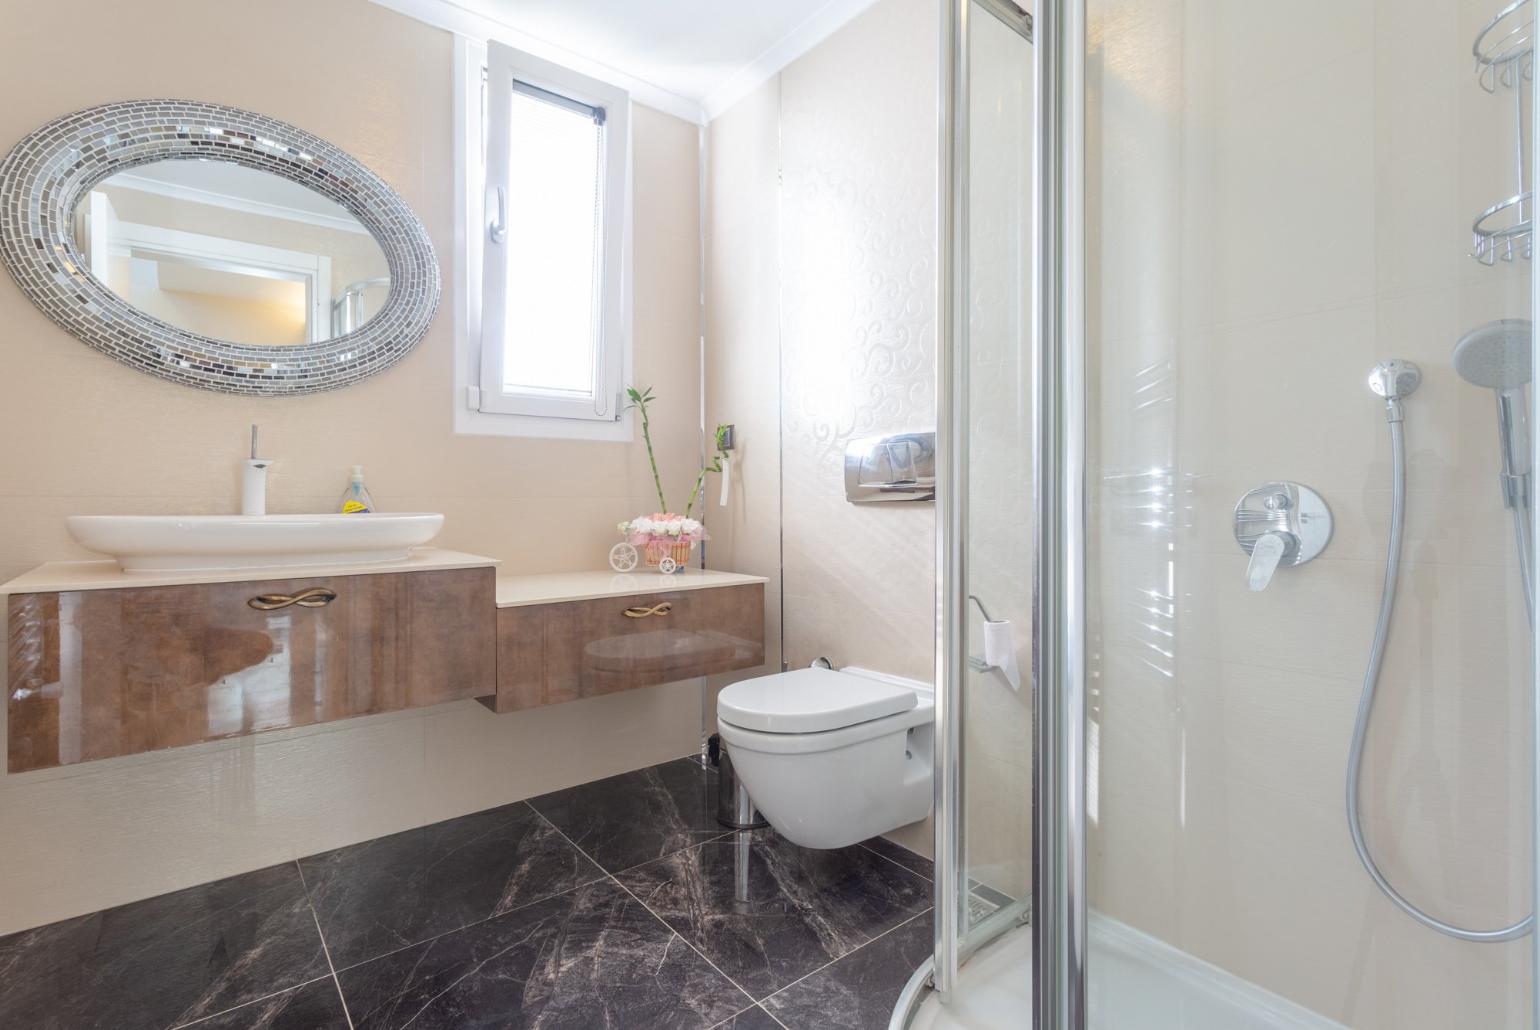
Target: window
553	340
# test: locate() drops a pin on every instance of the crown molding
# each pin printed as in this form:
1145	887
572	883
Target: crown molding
819	26
462	20
478	26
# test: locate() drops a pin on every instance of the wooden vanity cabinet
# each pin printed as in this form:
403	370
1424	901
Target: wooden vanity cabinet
551	653
101	673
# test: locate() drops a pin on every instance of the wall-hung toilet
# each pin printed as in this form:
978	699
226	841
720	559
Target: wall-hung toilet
832	757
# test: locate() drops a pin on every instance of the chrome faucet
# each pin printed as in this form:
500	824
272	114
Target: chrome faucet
254	480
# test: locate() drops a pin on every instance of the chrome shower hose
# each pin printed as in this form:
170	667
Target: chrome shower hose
1371	683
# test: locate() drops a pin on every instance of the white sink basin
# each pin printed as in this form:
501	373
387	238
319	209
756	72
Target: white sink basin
152	543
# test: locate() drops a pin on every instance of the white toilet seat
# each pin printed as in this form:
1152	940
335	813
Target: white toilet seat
811	701
922	714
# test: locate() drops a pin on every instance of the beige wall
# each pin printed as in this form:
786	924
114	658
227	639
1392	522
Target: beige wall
858	334
84	434
1278	202
821	328
743	344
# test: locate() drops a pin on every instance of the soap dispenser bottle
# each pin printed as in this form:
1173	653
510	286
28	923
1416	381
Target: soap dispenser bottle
356	499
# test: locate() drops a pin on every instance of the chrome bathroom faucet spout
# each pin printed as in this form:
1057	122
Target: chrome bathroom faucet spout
254	480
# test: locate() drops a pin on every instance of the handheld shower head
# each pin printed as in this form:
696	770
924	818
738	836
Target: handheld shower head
1496	355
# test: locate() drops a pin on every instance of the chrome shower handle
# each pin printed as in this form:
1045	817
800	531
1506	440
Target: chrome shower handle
1266	554
1280	525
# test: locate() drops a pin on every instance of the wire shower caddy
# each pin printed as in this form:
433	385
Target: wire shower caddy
1505	61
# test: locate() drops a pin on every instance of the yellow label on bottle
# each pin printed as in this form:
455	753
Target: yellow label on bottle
353	507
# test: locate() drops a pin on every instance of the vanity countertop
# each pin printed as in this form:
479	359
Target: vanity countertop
512	590
553	587
58	576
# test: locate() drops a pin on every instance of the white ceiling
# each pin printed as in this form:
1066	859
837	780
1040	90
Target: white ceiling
691	57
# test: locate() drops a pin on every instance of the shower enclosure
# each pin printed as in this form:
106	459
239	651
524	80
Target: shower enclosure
1237	436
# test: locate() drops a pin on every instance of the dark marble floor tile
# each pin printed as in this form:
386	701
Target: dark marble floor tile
166	960
911	861
637	816
315	1006
590	958
385	894
767	912
857	992
755	1018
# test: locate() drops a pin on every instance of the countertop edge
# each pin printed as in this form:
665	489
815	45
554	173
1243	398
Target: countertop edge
513	590
67	576
509	594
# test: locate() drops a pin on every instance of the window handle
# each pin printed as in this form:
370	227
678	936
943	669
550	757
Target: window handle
498	230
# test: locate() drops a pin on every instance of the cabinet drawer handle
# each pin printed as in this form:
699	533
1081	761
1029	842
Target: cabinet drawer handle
642	611
315	597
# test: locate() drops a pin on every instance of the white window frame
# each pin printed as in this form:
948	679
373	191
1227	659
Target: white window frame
478	410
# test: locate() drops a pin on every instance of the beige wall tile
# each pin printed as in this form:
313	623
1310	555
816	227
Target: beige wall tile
858	334
1277	207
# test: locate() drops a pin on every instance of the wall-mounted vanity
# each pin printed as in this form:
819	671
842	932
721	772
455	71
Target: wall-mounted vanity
105	663
566	636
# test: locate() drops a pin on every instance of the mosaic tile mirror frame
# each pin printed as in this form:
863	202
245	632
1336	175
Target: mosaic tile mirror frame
45	177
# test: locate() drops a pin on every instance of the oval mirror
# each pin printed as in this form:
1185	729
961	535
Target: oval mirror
215	247
231	253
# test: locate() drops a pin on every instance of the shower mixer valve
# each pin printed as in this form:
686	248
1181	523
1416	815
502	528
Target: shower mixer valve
1280	525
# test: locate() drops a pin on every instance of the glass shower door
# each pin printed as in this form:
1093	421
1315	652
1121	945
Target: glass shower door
997	526
1307	338
985	498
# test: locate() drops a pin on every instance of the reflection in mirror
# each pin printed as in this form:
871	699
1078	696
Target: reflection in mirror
231	253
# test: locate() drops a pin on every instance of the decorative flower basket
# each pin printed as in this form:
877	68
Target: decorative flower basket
664	540
659	548
664	535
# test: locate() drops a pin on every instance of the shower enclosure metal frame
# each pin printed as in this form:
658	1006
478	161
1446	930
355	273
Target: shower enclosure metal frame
1058	456
1534	624
951	506
1060	497
1060	912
